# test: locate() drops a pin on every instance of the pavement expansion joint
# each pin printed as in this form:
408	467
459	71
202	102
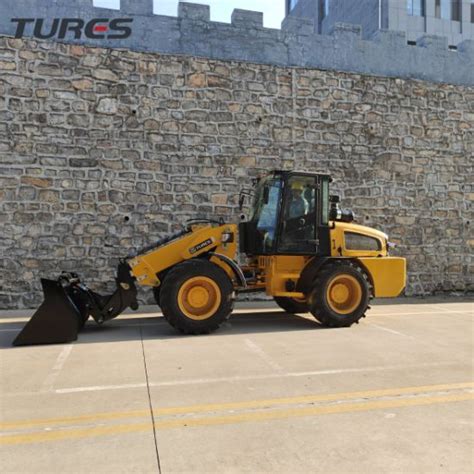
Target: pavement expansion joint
150	403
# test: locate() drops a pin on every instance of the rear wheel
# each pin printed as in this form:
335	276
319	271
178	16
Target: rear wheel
196	297
292	305
341	295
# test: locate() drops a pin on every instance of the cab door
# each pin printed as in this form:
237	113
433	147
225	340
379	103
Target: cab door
300	215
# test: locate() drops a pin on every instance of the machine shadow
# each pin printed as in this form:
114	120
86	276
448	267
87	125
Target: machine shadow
148	328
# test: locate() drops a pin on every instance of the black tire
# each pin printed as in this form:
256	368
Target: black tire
177	285
157	289
291	305
156	294
353	302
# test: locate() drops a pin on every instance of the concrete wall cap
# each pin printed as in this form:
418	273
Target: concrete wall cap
247	18
346	29
139	7
302	26
194	11
390	36
467	46
433	41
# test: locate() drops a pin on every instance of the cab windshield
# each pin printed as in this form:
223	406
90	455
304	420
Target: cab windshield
265	211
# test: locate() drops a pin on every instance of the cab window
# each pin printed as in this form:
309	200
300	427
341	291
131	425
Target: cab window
299	216
265	215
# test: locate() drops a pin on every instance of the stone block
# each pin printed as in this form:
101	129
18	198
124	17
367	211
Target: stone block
299	26
37	182
248	18
194	11
107	106
433	42
105	75
137	7
81	84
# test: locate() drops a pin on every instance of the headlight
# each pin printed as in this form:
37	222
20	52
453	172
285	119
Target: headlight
227	237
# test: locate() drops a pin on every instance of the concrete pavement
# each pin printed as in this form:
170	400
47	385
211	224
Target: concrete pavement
268	392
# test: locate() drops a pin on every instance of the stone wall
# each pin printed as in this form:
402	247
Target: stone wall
103	151
345	48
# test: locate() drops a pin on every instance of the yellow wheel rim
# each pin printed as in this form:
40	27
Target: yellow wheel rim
199	298
344	294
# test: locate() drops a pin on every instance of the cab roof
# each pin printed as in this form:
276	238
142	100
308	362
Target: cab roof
288	173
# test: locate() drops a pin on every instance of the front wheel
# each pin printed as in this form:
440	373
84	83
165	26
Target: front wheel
156	294
196	297
341	295
292	305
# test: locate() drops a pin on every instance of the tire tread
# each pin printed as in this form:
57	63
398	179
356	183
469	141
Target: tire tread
177	275
317	305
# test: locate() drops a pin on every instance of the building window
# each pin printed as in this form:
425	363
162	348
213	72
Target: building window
472	12
456	10
448	9
416	7
292	4
323	9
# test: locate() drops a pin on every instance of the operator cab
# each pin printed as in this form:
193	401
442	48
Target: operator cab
289	217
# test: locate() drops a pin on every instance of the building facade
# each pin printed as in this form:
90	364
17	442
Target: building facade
453	19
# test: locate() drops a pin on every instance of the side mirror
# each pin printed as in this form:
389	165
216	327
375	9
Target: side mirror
241	201
266	195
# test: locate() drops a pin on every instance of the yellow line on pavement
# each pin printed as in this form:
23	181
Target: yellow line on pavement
312	398
231	419
323	410
242	405
73	433
75	419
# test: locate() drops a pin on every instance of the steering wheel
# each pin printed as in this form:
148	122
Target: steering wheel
296	227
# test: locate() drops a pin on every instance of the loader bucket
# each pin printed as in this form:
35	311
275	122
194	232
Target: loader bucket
58	319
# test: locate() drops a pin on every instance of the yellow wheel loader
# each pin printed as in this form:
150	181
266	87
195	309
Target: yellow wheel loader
299	247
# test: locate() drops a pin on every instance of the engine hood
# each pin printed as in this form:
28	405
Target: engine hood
338	242
360	229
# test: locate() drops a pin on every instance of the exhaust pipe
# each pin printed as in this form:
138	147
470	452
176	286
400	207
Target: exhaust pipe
68	303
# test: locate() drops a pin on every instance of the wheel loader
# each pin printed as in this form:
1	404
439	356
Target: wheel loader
298	246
